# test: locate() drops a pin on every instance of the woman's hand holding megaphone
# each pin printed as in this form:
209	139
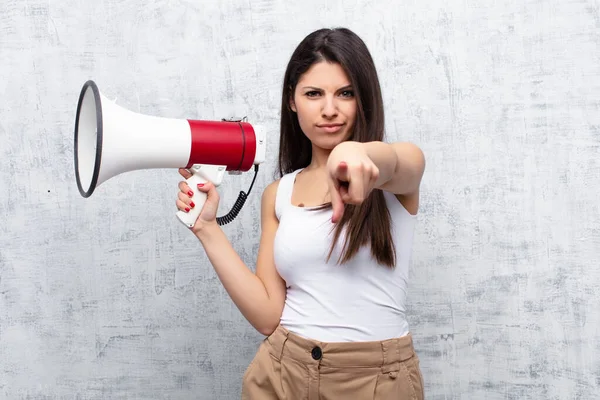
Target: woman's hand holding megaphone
185	201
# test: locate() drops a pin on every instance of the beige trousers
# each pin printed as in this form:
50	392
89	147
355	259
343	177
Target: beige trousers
287	366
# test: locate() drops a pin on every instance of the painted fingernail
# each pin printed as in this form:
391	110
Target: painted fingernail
190	193
192	204
200	185
187	209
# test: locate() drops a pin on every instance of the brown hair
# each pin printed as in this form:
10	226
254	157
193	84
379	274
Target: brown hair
369	222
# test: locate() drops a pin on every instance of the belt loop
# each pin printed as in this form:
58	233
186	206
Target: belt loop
389	363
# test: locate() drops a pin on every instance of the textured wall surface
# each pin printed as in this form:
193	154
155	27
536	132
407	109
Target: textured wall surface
110	297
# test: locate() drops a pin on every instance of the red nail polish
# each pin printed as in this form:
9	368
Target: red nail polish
187	209
200	185
190	193
192	204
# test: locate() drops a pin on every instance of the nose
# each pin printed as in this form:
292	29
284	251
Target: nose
329	107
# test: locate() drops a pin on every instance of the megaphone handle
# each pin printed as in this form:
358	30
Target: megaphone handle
199	198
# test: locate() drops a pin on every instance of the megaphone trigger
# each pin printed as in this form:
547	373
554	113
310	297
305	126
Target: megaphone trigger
200	174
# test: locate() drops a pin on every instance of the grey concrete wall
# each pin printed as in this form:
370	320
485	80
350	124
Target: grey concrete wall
110	297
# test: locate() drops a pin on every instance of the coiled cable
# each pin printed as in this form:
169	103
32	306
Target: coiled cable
239	203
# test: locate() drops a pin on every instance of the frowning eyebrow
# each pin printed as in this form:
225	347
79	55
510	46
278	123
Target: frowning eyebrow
347	87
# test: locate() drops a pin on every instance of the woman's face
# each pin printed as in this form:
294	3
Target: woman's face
325	104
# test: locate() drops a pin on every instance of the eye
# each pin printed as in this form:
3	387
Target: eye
347	93
312	93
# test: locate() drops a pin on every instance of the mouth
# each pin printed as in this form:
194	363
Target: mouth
331	128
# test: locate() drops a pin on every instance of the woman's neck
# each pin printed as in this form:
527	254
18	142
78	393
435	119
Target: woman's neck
318	159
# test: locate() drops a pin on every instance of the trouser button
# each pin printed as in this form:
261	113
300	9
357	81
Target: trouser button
316	353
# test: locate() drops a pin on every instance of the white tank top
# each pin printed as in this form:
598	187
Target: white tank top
357	301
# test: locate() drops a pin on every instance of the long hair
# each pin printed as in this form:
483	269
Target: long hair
368	223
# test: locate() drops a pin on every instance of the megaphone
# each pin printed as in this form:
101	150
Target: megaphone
111	140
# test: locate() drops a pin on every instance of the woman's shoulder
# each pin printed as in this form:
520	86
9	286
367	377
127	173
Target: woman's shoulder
271	189
277	193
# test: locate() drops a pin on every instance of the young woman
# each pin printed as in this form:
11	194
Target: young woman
329	290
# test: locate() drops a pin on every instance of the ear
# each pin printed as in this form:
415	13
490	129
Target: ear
291	104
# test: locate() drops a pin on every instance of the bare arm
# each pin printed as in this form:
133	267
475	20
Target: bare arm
356	168
401	166
259	297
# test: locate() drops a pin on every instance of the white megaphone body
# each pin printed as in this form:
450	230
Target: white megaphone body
110	140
